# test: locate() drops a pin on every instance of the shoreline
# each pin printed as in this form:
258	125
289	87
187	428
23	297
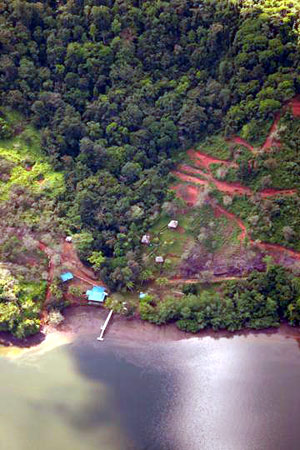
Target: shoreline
85	322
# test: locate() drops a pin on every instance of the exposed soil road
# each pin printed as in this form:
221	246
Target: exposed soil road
195	178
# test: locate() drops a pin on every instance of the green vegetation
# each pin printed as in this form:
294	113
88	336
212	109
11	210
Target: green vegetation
28	164
120	89
275	220
20	305
260	301
198	226
29	190
216	146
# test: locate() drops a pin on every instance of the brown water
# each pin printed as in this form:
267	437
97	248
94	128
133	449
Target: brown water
149	389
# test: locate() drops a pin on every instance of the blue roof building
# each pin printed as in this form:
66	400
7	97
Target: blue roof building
97	294
142	295
66	276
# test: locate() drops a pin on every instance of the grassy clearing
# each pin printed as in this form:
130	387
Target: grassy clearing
280	168
273	220
216	146
200	226
256	134
29	167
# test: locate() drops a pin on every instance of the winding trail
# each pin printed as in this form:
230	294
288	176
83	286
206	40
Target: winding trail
244	143
295	106
271	140
222	211
223	186
207	160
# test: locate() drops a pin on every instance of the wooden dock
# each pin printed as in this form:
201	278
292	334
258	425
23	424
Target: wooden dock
103	328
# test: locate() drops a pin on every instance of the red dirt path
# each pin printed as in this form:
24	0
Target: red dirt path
221	211
295	105
207	160
223	186
271	141
241	141
69	256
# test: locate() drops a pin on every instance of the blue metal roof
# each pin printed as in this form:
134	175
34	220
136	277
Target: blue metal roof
66	276
142	295
97	294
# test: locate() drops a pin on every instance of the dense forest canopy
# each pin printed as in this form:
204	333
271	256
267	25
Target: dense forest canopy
119	88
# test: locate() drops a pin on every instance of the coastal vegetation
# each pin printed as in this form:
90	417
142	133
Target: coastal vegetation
262	300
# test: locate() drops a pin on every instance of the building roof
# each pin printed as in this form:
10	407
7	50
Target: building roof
159	259
142	295
66	276
97	294
173	224
145	239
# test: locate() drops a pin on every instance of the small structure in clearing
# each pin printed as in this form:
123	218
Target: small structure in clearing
159	259
145	239
66	276
68	239
142	295
173	224
96	295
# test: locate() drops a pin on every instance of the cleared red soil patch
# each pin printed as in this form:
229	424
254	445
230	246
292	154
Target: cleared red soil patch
187	193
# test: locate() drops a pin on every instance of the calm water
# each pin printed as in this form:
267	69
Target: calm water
201	393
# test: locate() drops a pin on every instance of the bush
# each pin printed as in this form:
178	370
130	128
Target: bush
27	328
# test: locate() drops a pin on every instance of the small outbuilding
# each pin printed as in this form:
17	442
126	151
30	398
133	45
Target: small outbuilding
142	295
145	239
66	276
159	259
68	239
96	295
173	224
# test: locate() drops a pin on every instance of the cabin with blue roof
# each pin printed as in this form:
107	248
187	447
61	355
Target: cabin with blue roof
96	295
66	276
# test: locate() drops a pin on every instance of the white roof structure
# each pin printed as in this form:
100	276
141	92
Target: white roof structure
68	239
173	224
145	239
159	259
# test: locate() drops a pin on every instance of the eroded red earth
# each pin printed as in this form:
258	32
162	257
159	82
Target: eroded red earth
199	174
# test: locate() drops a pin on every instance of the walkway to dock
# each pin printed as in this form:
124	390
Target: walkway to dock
103	328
